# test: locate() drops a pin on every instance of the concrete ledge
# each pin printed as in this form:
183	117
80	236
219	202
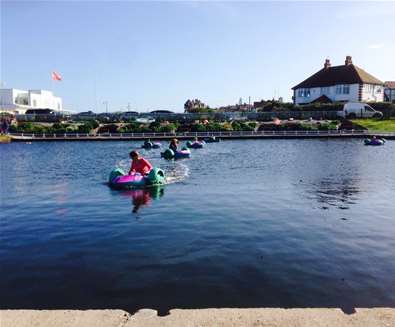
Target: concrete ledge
376	317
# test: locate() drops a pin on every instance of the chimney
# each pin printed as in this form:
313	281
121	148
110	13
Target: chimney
327	63
348	61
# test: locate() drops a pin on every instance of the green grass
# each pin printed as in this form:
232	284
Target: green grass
387	125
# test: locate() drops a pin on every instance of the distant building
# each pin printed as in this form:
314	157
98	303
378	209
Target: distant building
243	107
161	112
389	91
18	101
129	114
339	84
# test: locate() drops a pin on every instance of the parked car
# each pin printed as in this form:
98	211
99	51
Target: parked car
353	110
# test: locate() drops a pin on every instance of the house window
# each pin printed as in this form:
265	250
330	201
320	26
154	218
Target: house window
34	103
304	93
325	90
346	89
339	89
369	88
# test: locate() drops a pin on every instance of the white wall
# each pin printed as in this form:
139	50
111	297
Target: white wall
44	99
370	93
8	99
9	96
40	99
330	92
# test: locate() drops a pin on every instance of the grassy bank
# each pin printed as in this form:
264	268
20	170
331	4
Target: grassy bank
387	125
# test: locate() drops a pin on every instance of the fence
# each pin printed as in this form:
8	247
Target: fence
189	135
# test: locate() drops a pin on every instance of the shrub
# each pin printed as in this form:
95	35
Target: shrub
198	128
387	108
321	107
110	128
169	128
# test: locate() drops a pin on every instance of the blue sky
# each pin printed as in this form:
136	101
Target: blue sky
155	55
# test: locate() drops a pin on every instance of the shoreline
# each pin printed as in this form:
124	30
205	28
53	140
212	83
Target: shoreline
27	137
273	317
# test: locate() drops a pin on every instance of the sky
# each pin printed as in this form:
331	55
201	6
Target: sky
156	55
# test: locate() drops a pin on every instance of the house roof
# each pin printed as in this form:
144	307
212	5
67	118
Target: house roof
322	99
344	74
390	84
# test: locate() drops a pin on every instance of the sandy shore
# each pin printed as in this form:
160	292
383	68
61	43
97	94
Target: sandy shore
377	317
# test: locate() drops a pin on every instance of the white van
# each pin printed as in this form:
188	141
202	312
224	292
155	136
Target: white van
359	110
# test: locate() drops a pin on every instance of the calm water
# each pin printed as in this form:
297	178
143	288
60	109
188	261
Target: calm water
272	223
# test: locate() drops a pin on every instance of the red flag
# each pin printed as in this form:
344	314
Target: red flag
56	76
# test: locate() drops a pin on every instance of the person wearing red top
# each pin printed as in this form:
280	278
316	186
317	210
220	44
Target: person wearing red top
139	164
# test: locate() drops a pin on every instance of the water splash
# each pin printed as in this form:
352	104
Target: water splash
175	171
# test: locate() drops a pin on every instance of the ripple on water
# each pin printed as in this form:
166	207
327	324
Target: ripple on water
306	223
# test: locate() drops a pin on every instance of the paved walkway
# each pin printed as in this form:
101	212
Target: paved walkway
377	317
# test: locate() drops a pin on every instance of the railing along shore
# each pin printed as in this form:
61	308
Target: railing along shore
189	135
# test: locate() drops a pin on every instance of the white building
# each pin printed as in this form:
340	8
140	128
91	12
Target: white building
339	84
389	91
18	101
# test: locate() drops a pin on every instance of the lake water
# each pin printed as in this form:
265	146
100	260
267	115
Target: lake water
249	223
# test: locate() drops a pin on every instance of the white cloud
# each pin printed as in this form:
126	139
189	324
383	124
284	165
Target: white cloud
376	46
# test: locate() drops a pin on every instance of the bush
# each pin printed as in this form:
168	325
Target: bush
85	128
198	128
321	107
214	126
387	108
110	128
169	128
155	126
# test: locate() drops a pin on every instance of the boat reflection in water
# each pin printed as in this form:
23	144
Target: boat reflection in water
143	197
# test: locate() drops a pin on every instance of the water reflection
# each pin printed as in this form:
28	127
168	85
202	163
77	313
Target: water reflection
332	192
143	197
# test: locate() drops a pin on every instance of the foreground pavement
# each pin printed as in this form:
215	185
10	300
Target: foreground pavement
377	317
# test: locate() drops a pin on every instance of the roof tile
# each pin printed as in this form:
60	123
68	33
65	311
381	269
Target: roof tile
345	74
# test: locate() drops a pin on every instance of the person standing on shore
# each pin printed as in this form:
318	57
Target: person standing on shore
139	164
